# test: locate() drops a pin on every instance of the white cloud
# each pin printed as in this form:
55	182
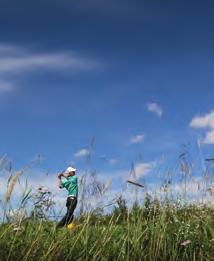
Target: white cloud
193	191
142	169
82	153
206	121
155	108
189	187
209	138
136	139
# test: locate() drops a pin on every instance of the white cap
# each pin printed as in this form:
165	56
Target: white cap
70	169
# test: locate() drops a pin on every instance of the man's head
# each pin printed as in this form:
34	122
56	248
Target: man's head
70	171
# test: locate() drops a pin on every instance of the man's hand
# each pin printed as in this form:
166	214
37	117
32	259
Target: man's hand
59	182
60	175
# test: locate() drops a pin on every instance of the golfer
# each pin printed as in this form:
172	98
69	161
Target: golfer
69	180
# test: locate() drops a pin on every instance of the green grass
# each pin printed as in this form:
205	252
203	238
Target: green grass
164	228
154	233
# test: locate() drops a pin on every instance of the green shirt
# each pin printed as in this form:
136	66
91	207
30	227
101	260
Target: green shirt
71	184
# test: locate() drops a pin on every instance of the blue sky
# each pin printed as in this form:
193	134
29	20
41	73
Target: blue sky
132	74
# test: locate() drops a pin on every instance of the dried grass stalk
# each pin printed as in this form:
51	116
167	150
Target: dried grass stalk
11	185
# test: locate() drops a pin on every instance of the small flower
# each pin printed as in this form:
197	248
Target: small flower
17	229
185	243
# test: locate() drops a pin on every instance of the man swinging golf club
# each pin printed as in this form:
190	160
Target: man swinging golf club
69	181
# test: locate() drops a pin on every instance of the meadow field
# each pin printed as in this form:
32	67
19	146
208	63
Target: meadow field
152	228
157	233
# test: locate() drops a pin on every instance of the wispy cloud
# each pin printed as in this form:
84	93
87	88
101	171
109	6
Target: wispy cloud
82	153
137	139
16	60
205	122
155	108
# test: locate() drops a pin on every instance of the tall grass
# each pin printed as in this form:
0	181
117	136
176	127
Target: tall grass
158	233
158	228
11	184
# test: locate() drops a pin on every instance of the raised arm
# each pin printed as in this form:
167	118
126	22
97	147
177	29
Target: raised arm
59	182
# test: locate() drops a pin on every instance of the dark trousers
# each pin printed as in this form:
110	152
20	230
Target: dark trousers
68	218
